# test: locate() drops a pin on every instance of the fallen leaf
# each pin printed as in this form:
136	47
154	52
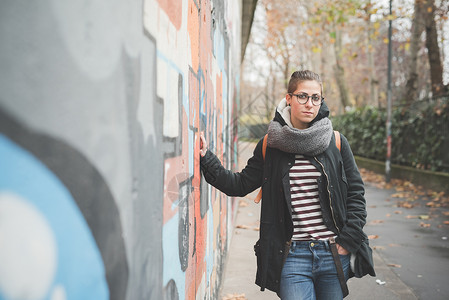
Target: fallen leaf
399	195
376	222
446	222
243	227
424	217
446	213
398	212
247	227
411	217
373	236
234	297
425	225
243	203
388	186
394	265
405	204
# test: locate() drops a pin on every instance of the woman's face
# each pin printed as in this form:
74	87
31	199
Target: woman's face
302	114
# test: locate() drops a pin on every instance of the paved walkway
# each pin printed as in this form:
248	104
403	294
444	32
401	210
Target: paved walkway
240	268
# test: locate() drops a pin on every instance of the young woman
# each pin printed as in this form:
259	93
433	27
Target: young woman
312	199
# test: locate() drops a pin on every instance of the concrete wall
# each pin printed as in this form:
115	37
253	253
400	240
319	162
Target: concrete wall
101	106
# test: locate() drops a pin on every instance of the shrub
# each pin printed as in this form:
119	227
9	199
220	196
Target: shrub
420	134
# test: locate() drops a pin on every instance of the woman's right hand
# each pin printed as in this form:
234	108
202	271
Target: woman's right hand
203	145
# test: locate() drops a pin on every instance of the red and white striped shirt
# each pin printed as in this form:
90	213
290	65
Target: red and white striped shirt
306	209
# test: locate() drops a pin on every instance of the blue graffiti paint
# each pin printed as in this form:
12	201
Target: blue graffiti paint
219	49
79	266
172	266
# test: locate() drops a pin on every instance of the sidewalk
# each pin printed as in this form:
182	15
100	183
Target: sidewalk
240	268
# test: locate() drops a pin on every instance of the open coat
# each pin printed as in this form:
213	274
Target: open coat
341	194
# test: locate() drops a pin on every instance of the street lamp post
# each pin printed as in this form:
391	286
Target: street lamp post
388	158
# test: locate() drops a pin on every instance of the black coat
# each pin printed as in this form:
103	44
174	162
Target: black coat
341	194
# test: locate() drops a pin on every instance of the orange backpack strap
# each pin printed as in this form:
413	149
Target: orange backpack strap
264	151
337	139
264	146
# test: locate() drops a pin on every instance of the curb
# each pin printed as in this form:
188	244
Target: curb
431	180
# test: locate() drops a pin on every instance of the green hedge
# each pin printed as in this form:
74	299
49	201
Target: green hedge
420	134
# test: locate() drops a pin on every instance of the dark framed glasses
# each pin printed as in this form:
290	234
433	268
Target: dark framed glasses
304	98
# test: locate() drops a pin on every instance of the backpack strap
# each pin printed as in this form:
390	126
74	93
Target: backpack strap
264	146
337	140
264	151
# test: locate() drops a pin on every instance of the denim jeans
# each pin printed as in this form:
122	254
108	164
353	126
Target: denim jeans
309	272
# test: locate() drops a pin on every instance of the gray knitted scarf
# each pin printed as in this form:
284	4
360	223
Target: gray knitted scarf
311	141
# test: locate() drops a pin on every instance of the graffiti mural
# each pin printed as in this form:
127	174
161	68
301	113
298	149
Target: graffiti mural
48	217
195	59
101	108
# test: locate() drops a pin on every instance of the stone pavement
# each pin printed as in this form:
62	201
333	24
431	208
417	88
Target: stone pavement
240	267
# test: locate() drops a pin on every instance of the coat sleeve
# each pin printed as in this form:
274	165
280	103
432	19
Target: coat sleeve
351	236
234	183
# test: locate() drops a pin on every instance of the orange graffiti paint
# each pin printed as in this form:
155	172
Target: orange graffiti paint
173	9
193	28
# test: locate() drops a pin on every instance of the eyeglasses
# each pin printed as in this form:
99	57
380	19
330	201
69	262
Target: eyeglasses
304	98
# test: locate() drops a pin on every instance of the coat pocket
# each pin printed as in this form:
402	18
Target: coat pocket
260	276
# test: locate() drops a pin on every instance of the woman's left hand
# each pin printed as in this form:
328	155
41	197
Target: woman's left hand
203	145
341	250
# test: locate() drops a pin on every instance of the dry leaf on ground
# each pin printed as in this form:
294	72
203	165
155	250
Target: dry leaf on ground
405	189
247	227
243	227
373	222
411	217
406	204
235	297
243	203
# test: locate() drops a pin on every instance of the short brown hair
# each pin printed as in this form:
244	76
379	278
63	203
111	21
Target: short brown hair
300	76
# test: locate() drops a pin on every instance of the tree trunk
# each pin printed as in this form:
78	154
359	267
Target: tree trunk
411	88
269	100
339	73
373	81
436	69
287	58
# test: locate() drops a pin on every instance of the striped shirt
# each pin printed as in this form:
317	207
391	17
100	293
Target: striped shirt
306	209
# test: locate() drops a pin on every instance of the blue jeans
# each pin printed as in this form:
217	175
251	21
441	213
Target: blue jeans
309	272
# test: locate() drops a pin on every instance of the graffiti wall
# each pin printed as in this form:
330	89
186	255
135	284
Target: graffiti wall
101	107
